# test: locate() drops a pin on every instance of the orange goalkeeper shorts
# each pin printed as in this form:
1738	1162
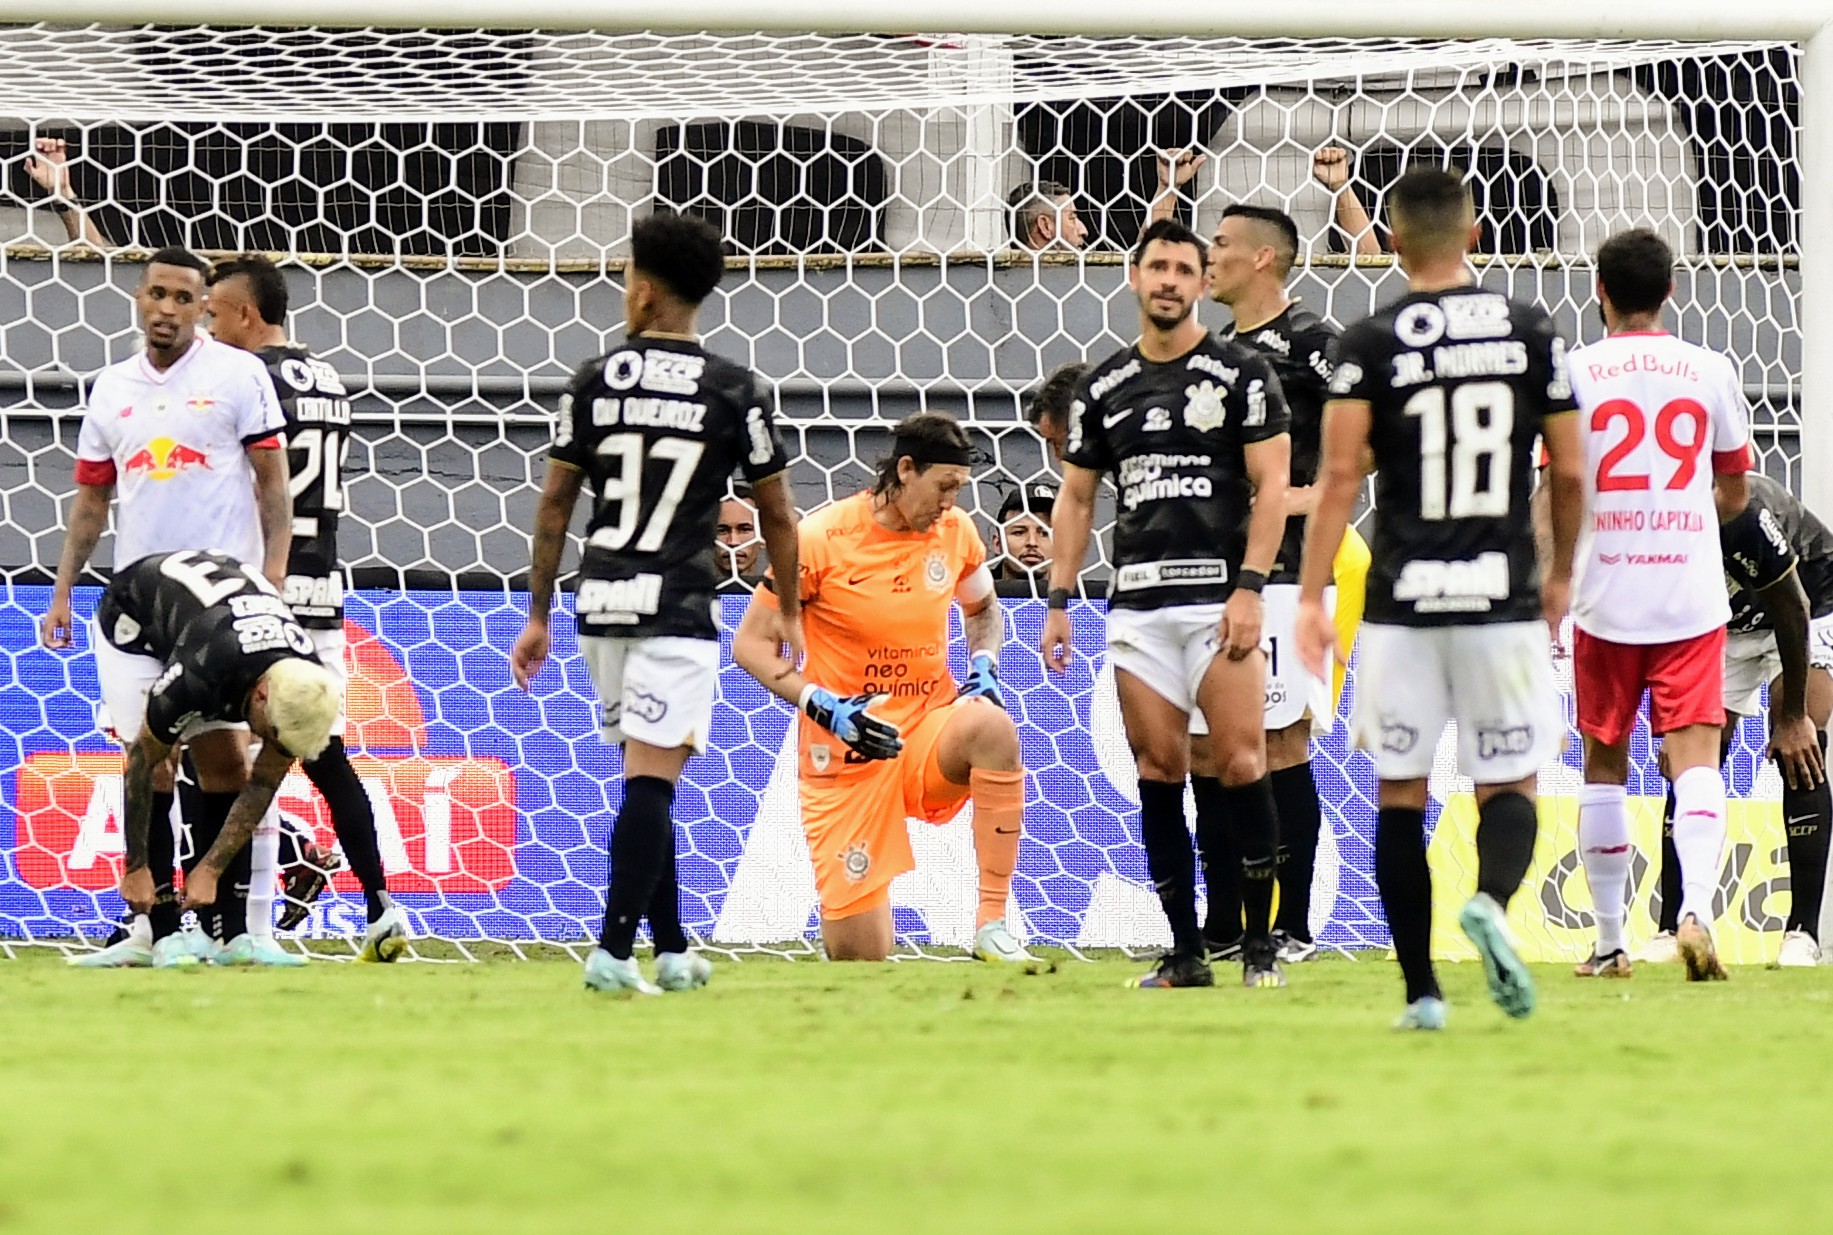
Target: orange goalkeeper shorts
854	817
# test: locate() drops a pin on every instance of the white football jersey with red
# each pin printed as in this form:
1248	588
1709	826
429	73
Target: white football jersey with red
174	444
1659	417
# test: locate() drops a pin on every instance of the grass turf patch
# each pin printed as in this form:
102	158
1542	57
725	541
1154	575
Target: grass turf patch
500	1097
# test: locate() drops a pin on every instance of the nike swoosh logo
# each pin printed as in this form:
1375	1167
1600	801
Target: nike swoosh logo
1005	831
1108	422
1794	819
856	580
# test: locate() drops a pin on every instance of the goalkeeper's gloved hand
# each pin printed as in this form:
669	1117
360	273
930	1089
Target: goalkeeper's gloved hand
848	720
982	681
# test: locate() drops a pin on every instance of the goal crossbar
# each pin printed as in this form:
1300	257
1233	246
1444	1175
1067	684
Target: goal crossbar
1687	19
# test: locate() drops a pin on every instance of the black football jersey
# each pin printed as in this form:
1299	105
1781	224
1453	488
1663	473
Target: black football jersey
317	411
216	624
1173	434
1458	382
1774	535
1299	345
658	426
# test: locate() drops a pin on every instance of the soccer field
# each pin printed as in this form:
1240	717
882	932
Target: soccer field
499	1097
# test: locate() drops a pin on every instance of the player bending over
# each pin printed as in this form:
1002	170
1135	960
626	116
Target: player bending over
188	643
886	735
1667	448
1778	561
656	427
248	302
1448	388
1194	429
1250	260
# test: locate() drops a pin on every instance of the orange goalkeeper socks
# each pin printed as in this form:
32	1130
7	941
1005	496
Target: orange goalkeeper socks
999	816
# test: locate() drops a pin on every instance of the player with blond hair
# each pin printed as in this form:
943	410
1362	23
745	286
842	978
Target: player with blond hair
189	643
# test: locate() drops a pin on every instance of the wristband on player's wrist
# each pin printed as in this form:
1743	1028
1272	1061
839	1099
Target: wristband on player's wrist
1057	598
1250	581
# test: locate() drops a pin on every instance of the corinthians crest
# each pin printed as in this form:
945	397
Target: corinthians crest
935	570
1204	410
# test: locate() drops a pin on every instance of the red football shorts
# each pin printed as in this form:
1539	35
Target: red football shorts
1685	681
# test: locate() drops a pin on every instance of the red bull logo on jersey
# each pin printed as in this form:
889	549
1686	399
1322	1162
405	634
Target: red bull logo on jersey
200	403
163	458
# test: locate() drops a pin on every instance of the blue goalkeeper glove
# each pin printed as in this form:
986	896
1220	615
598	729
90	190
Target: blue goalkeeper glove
982	681
848	720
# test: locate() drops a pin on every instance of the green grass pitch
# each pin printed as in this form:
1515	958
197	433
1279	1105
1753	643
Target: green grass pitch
804	1097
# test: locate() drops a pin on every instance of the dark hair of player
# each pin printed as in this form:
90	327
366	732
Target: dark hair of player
927	438
1431	208
1030	202
742	491
1636	270
1171	232
1051	399
683	252
266	285
177	255
1286	246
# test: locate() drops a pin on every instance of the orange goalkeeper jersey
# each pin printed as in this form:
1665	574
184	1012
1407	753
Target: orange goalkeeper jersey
875	612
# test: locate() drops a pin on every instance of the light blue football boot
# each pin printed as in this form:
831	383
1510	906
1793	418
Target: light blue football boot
606	973
682	971
1510	983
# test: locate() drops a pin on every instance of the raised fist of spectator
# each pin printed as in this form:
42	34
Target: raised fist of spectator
49	167
1330	167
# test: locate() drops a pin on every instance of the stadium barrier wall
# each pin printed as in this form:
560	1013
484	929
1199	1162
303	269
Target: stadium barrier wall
492	804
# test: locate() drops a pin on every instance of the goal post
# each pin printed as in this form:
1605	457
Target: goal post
449	192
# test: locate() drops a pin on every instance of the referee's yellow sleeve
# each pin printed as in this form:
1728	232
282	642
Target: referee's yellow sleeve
1350	570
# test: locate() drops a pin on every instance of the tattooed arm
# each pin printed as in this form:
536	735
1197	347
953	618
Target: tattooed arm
137	882
271	767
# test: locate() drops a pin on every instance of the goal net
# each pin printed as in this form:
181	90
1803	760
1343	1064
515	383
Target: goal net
453	208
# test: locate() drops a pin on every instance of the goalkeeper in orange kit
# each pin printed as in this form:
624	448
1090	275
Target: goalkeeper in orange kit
886	734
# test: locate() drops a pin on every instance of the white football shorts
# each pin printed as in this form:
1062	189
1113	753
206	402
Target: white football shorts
330	645
1168	649
125	679
1495	681
1751	663
656	690
1293	693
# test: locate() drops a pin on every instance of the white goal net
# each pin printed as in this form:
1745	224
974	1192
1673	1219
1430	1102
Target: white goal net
452	207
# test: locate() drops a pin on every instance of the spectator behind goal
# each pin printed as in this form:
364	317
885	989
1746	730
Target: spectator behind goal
1021	542
1044	217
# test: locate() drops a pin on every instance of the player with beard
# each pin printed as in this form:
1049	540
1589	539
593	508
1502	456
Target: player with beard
1446	390
1194	429
248	305
191	643
1250	261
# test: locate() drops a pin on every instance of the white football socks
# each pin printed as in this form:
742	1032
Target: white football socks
1604	847
264	873
1699	838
